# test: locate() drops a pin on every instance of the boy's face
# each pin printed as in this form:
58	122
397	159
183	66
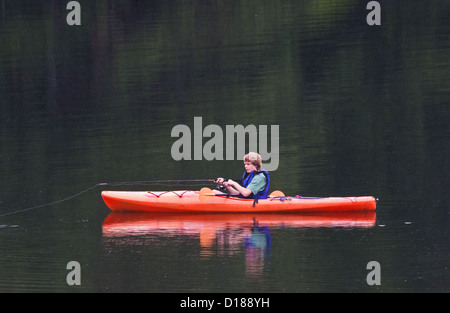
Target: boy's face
249	167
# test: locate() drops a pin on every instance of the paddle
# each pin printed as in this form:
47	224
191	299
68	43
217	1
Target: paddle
206	193
276	193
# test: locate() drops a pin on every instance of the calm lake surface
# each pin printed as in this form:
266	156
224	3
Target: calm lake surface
362	110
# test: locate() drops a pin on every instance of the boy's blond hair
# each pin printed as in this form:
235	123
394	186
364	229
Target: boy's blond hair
254	158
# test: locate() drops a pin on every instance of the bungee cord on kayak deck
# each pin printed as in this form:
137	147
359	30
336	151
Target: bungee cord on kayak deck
126	183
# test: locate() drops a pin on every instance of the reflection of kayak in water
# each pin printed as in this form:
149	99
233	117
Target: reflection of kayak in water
129	224
209	202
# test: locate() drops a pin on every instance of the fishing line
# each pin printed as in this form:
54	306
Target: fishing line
51	203
129	183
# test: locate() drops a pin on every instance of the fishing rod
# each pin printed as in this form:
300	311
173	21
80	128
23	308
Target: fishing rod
164	181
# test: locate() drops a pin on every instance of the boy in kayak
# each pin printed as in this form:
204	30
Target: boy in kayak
255	181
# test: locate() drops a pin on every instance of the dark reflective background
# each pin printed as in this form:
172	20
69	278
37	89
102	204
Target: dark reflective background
362	110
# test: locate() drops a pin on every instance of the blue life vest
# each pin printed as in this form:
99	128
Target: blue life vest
247	178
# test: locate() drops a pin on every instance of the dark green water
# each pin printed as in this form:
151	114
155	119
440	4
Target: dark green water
362	110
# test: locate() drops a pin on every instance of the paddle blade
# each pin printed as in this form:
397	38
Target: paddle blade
206	193
276	193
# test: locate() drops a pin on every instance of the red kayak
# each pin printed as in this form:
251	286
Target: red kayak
206	201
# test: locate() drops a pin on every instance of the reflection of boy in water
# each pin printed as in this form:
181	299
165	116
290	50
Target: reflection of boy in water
257	249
